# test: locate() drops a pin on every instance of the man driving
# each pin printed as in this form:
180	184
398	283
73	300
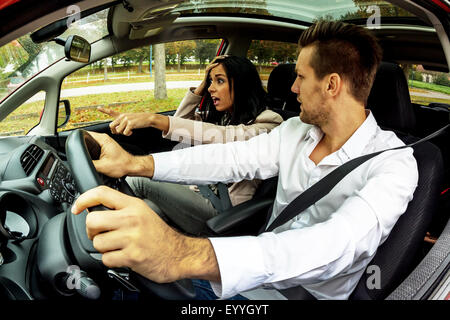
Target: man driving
326	248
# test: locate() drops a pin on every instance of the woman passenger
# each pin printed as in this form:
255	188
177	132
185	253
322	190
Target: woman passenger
228	105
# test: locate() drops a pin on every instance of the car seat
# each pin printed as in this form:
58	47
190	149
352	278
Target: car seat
390	103
280	97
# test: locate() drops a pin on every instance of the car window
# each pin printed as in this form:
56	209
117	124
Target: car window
21	59
266	55
25	117
125	82
306	10
427	86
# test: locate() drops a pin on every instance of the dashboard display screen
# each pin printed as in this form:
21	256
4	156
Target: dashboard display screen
48	165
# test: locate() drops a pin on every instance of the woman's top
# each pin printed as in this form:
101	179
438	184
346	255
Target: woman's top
186	126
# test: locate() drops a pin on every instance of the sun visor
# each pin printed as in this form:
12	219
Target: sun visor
151	26
138	19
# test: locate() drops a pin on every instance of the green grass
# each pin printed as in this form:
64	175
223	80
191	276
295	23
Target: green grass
134	101
99	81
429	86
84	109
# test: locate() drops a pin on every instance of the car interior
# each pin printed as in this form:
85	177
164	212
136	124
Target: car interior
42	172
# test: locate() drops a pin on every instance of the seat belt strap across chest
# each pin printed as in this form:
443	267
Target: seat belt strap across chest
326	184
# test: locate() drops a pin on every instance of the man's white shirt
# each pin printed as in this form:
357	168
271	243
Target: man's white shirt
327	247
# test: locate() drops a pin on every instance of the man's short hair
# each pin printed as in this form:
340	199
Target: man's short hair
347	49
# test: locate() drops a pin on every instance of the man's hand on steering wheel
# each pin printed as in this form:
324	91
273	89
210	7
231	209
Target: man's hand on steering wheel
115	162
132	235
128	240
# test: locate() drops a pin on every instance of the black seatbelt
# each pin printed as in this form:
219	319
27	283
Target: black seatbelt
324	186
220	202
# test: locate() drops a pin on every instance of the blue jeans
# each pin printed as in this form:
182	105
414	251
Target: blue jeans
203	291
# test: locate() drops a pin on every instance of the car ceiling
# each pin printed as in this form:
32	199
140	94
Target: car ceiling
401	45
26	16
418	44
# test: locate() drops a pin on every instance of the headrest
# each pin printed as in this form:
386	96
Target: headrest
279	88
389	99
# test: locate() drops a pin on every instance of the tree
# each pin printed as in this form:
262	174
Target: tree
205	50
264	51
160	91
260	51
105	70
258	7
19	54
178	52
442	79
133	56
417	75
139	55
12	56
386	10
284	52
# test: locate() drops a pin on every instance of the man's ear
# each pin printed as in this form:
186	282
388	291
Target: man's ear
334	84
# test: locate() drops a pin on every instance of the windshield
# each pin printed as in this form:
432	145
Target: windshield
301	10
21	59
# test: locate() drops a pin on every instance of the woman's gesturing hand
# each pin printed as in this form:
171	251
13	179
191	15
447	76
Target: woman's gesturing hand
124	123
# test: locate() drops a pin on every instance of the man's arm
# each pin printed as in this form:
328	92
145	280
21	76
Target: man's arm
231	162
132	235
256	158
116	162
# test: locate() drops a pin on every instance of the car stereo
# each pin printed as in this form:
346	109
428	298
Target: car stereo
56	177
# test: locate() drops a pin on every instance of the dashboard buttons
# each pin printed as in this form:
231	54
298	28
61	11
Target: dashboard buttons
61	184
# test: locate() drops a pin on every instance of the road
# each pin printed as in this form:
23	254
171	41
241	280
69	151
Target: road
142	86
125	87
431	94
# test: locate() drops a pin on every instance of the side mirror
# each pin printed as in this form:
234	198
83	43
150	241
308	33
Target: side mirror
63	113
76	48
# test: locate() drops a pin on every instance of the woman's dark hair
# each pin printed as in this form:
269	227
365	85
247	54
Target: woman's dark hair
249	94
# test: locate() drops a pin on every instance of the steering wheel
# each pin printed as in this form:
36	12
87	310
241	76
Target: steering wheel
81	148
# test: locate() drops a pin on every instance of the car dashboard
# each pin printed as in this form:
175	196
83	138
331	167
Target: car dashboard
35	185
31	165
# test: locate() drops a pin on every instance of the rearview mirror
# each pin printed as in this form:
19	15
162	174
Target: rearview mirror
78	49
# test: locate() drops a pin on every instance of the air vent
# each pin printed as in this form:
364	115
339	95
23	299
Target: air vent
30	158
